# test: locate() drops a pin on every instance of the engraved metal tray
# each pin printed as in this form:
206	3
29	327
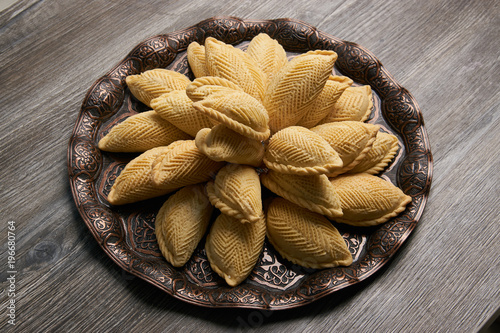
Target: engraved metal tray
126	233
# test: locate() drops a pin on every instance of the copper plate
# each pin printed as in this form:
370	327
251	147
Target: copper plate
126	233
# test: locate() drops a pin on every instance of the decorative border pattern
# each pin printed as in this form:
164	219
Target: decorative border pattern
126	236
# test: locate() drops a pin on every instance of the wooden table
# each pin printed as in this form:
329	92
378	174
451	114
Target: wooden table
445	278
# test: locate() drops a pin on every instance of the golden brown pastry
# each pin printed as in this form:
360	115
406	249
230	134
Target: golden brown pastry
295	87
177	108
382	152
350	139
325	102
197	60
268	54
223	144
154	83
368	200
300	151
233	248
225	61
141	132
183	165
315	192
304	237
202	87
182	222
237	110
354	104
135	181
236	192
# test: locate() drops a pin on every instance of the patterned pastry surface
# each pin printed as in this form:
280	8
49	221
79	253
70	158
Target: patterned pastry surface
304	237
181	223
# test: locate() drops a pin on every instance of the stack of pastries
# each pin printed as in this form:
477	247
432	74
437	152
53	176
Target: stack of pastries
250	119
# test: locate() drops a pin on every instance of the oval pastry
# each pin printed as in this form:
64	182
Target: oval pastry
350	139
315	192
382	152
154	83
325	102
183	165
202	87
368	200
268	54
295	87
236	192
197	60
135	181
354	104
226	61
223	144
178	109
300	151
181	223
237	110
233	248
141	132
305	238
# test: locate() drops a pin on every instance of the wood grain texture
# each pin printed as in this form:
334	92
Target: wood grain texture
445	278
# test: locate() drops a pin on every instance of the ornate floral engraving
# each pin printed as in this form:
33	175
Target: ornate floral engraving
87	158
230	29
141	233
272	273
198	269
104	98
109	176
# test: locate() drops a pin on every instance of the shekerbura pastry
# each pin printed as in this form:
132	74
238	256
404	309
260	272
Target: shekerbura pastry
181	223
300	151
183	165
197	60
178	109
225	61
325	102
141	132
355	103
154	83
135	181
305	238
368	200
268	54
350	139
237	110
295	87
314	192
382	152
236	192
202	87
223	144
233	248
